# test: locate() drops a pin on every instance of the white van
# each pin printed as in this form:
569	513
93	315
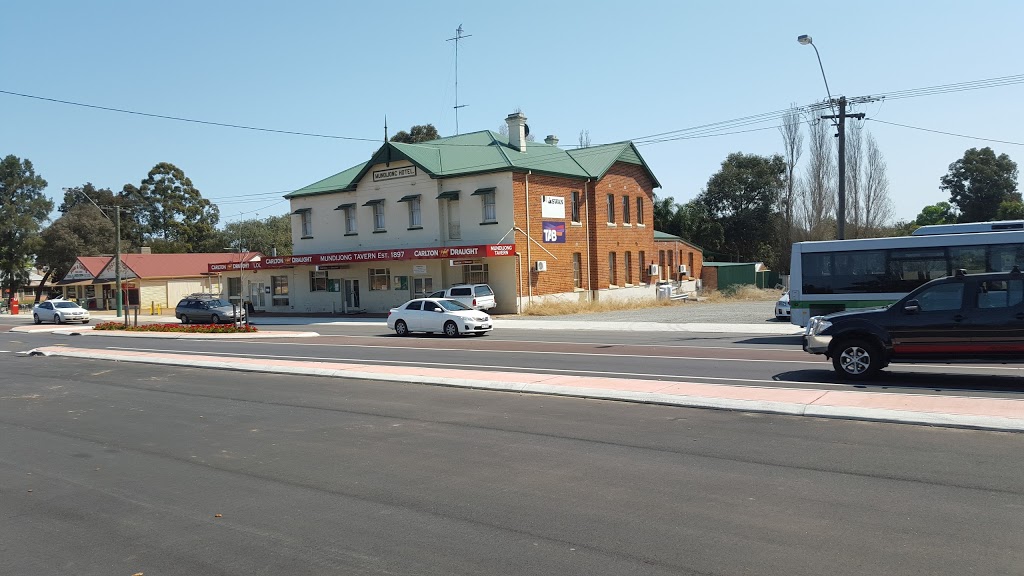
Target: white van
479	296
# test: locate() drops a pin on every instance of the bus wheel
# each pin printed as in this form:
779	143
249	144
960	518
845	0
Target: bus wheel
857	359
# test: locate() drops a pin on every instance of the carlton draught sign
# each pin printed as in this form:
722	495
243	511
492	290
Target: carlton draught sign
435	253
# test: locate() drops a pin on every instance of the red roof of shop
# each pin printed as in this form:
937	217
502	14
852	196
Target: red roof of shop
179	265
94	264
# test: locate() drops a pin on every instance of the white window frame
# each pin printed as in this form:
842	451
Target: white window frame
318	281
415	213
379	278
378	217
350	220
475	274
490	208
611	209
307	223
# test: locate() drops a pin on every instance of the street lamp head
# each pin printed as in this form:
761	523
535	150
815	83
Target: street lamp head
804	39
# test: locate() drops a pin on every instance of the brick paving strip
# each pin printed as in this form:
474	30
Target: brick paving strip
950	411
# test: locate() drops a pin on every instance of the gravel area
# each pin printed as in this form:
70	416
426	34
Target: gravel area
682	312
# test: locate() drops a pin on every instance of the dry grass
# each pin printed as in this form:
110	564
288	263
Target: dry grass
566	308
745	293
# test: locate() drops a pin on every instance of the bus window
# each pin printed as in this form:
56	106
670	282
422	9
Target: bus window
909	268
1003	257
970	258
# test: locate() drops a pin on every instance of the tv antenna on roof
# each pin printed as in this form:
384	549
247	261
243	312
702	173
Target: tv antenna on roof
458	36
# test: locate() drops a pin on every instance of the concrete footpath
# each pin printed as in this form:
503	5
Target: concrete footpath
950	411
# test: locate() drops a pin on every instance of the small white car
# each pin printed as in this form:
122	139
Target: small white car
450	317
59	311
782	308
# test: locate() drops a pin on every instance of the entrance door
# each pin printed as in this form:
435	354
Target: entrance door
257	295
422	287
351	295
454	227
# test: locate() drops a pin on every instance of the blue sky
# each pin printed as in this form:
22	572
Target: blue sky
619	70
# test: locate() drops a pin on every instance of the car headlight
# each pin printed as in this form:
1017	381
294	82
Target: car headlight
816	325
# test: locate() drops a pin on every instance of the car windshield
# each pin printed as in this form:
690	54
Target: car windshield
65	305
453	305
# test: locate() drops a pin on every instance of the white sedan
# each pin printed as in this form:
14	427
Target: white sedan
59	312
783	309
451	317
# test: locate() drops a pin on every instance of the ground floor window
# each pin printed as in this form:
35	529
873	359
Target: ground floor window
279	290
318	281
661	264
380	278
577	268
234	286
612	280
475	274
627	261
644	276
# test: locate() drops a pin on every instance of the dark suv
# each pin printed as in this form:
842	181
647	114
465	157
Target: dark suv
959	319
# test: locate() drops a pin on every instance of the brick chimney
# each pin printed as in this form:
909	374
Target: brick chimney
517	131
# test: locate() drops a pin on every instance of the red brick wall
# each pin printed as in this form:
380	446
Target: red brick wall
709	276
559	276
621	180
681	255
629	180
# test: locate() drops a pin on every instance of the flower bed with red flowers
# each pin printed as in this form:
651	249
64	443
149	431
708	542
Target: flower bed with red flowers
191	328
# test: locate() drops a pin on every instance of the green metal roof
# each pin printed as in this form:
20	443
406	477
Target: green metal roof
485	151
596	160
338	182
666	237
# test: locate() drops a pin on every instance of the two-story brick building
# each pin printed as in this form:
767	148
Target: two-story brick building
531	219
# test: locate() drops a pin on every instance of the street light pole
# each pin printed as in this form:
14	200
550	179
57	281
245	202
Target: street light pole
840	119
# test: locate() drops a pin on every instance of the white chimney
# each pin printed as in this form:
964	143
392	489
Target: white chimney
551	140
517	131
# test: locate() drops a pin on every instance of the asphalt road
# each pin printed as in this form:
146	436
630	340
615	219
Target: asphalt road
107	468
744	360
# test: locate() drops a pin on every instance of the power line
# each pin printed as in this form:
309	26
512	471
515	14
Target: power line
180	119
948	133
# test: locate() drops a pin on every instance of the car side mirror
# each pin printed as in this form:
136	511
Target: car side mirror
912	307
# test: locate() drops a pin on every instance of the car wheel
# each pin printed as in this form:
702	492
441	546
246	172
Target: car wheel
215	319
184	319
857	359
401	328
57	320
451	329
35	318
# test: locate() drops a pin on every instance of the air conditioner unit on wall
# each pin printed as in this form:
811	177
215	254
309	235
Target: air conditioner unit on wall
541	265
654	268
683	269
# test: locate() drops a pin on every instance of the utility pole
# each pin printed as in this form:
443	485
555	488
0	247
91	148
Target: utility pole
117	250
117	264
840	119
